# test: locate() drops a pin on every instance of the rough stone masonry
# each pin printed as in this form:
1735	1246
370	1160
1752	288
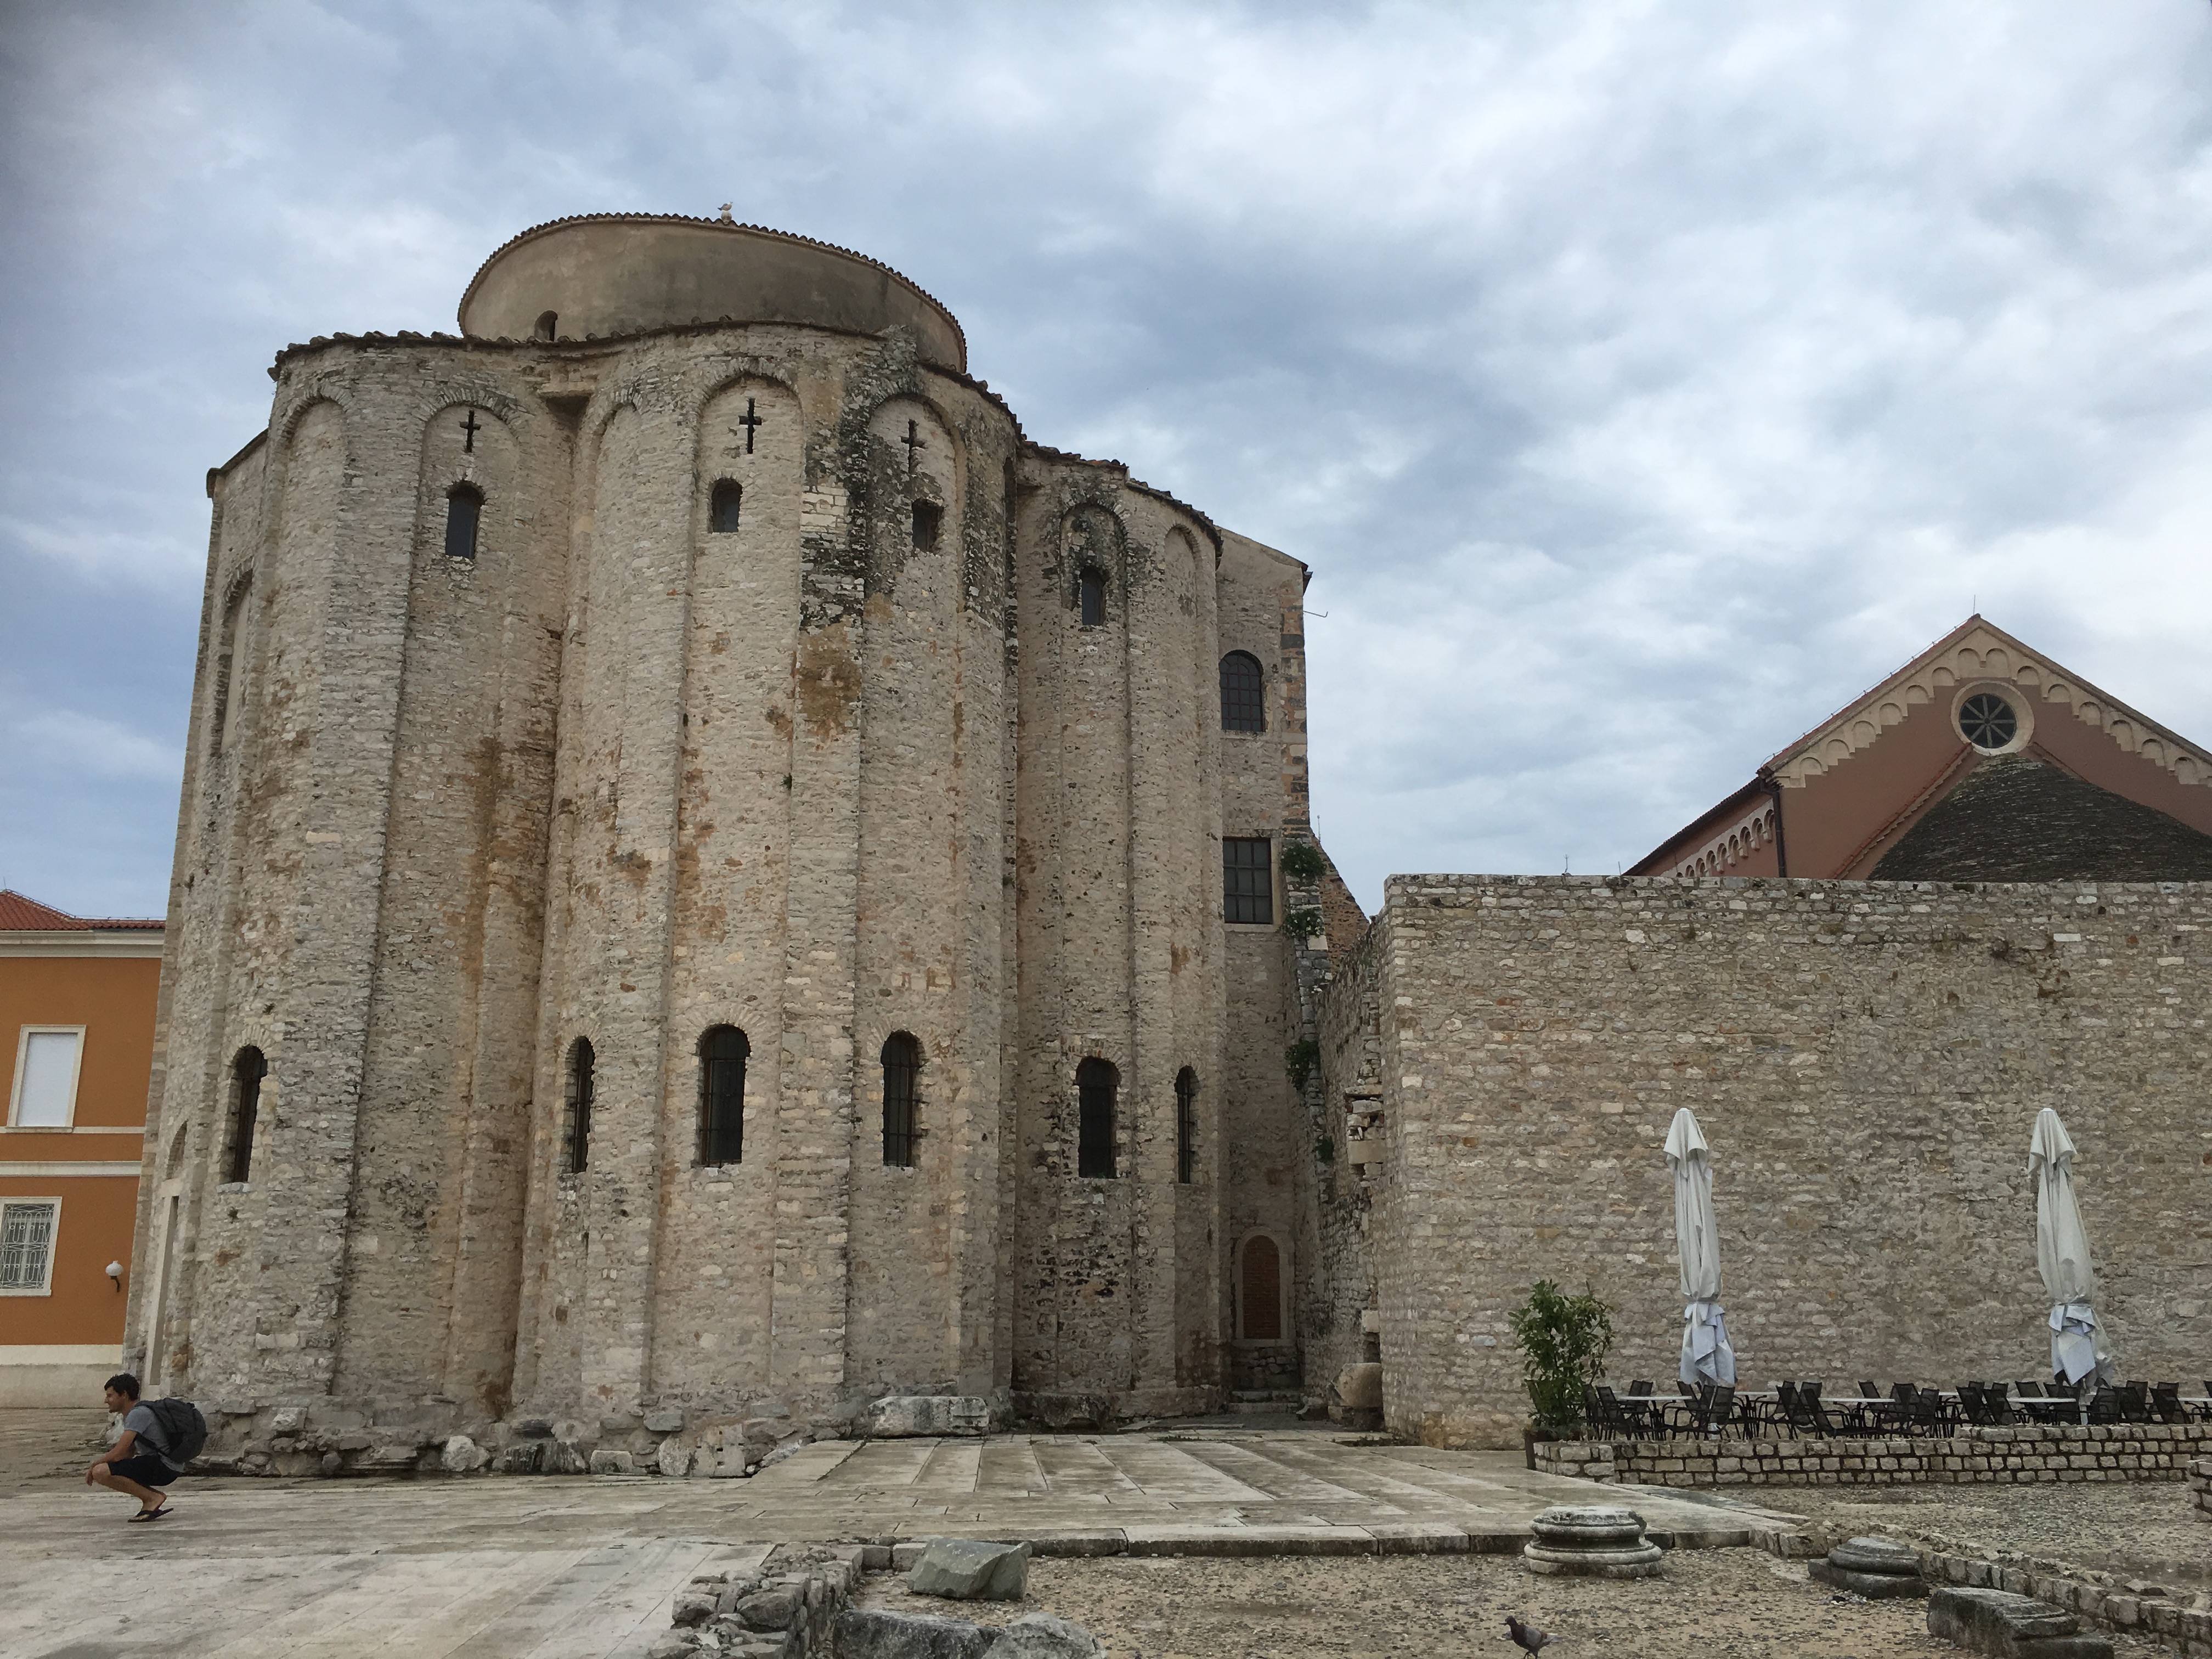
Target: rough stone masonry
1867	1060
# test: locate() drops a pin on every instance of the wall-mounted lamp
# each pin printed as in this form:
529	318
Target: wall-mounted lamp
115	1273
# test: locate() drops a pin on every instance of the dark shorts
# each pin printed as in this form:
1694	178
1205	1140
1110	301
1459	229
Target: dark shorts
146	1469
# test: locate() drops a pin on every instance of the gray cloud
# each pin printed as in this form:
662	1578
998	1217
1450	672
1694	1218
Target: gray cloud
1641	381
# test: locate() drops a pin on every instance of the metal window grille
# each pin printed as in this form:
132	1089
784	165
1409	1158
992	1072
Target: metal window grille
1987	720
27	1244
723	505
1097	1082
1091	596
902	1060
248	1070
1247	884
464	507
1186	1126
722	1054
1244	694
583	1066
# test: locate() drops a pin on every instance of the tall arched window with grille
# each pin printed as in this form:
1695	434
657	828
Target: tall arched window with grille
722	1054
1260	1286
901	1073
1186	1126
576	1106
245	1074
1243	693
1097	1084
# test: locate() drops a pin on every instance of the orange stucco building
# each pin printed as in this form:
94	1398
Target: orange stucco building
1980	760
77	1038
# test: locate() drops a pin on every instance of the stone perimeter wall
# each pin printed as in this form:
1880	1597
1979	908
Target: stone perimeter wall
1866	1059
2031	1454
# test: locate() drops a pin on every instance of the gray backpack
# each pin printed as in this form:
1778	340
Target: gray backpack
182	1427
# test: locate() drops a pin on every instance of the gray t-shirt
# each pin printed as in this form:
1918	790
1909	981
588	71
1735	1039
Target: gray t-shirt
141	1420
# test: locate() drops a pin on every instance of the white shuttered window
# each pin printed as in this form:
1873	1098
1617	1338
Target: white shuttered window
46	1078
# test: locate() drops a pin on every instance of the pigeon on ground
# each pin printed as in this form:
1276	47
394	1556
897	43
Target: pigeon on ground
1528	1637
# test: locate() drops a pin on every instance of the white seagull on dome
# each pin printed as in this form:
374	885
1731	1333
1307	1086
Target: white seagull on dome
1706	1355
2078	1346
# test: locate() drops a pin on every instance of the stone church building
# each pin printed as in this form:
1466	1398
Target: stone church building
718	876
723	892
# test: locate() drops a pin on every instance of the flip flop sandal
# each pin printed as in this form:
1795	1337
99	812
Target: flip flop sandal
150	1515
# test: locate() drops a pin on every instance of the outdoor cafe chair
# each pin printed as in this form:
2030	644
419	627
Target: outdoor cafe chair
1812	1414
1924	1413
2105	1404
1984	1405
2135	1402
2166	1403
1713	1404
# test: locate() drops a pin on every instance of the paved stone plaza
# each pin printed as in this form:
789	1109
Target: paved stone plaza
563	1568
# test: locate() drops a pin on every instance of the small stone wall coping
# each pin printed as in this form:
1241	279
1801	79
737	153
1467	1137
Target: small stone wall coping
2029	1454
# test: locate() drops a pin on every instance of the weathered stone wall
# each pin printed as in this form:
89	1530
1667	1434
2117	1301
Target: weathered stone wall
1338	1298
1867	1060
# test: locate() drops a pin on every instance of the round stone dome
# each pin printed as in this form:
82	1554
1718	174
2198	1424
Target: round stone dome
609	273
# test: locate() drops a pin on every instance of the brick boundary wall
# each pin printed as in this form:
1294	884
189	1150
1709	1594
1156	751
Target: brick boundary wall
2027	1454
2200	1487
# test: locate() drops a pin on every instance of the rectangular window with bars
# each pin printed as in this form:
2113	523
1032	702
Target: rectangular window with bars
1247	880
27	1245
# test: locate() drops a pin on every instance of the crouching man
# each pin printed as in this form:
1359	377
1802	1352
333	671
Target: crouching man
138	1462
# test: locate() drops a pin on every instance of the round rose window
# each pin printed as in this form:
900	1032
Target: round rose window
1987	721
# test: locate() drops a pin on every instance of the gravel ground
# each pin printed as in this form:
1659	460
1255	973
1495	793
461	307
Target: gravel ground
2139	1530
1740	1604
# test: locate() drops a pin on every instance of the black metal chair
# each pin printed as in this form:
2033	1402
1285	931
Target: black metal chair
1925	1413
1971	1405
2105	1404
1812	1415
1714	1403
2166	1403
1785	1408
2135	1402
1997	1406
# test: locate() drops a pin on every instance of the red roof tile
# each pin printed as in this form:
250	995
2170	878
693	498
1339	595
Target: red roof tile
27	913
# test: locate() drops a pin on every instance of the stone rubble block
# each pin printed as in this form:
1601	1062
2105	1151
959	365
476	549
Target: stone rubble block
874	1633
899	1416
971	1570
2007	1625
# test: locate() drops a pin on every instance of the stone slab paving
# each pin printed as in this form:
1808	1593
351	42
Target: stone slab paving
585	1566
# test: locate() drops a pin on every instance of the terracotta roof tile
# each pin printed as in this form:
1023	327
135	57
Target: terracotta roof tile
28	914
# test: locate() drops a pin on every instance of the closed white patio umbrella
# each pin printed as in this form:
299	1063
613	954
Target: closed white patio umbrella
1706	1355
2078	1346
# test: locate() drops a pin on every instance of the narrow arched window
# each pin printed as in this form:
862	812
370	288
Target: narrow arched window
464	507
577	1110
928	525
1186	1126
901	1064
1260	1300
227	648
722	1054
1244	694
1097	1082
549	325
1090	596
245	1074
722	506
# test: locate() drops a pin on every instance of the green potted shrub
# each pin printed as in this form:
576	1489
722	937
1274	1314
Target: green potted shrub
1563	1341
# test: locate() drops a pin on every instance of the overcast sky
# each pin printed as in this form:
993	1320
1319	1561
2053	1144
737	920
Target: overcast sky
1641	380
